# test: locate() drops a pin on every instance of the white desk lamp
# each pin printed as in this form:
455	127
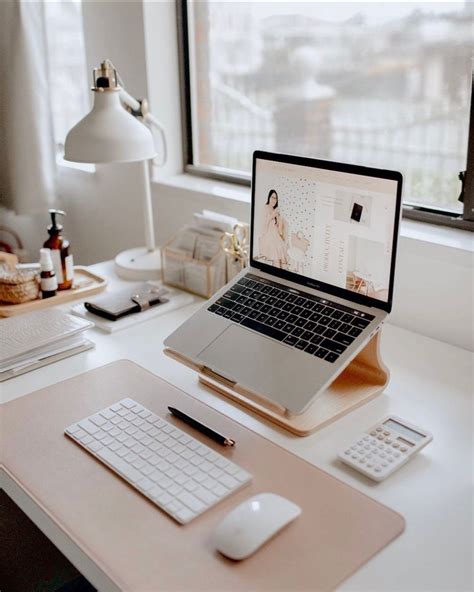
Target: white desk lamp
112	133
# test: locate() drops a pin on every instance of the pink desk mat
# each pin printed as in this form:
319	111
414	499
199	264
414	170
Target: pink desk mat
142	549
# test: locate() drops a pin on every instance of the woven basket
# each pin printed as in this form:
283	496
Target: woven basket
18	286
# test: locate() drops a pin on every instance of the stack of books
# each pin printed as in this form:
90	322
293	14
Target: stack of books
38	338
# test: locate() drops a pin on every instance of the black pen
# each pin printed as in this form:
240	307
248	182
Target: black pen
201	428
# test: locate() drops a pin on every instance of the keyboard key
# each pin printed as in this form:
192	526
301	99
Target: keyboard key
306	313
279	325
324	320
321	352
331	357
333	346
329	333
297	332
262	317
334	324
337	314
301	344
237	317
345	328
344	338
300	322
315	317
291	340
264	329
355	332
361	323
271	321
347	318
282	315
311	348
310	325
316	339
307	335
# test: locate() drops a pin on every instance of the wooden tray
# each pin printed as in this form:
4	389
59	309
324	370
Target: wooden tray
86	283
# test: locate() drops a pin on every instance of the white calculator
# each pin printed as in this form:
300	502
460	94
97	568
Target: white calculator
385	447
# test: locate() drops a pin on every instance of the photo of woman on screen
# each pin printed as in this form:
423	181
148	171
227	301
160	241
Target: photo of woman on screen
272	237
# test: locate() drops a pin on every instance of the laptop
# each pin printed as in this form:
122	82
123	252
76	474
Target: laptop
319	283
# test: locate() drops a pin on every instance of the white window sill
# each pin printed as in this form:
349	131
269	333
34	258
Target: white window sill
410	229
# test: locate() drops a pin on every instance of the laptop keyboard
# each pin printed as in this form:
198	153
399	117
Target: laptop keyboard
314	325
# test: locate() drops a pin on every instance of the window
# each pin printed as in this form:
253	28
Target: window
67	67
378	84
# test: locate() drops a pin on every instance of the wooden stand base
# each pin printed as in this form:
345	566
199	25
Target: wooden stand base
364	378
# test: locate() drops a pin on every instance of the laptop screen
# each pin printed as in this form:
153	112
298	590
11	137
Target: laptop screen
335	227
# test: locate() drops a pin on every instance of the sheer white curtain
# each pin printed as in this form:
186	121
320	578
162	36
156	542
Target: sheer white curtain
27	153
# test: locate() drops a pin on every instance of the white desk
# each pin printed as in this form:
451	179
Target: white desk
431	385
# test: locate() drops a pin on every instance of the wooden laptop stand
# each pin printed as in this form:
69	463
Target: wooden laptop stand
363	379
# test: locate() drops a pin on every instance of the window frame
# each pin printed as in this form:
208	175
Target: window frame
464	221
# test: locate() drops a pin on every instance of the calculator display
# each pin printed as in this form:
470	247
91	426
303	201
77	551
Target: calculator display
401	429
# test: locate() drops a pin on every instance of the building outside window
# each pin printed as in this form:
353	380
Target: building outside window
377	84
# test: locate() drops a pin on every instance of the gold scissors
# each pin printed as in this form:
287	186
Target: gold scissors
235	243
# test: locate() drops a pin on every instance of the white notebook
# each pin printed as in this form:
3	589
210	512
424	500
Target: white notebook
32	340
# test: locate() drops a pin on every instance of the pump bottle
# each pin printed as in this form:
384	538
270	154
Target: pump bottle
60	252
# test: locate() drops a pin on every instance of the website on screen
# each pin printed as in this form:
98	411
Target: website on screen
330	226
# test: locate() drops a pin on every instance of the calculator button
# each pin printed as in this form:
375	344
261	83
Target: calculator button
373	433
384	464
403	448
378	469
386	433
367	447
382	455
366	438
362	460
354	447
355	456
379	429
348	451
360	442
388	441
369	456
390	458
396	445
380	446
380	437
370	464
396	454
373	441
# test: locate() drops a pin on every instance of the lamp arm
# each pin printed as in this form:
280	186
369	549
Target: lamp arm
140	109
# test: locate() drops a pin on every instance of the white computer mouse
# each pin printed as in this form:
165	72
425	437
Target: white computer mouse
248	526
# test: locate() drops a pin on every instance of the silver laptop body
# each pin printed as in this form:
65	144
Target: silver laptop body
323	246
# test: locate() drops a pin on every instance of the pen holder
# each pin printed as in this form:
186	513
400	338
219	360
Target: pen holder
197	276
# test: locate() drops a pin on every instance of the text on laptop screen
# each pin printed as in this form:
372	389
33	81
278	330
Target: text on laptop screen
330	226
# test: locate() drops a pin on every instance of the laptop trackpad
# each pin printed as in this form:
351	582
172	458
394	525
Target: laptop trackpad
260	364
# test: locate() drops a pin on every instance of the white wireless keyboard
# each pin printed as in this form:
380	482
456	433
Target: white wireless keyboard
175	471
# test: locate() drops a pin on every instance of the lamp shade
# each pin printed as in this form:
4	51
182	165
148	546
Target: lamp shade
109	134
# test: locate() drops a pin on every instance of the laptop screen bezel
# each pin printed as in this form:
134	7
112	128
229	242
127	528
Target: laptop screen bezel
315	283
